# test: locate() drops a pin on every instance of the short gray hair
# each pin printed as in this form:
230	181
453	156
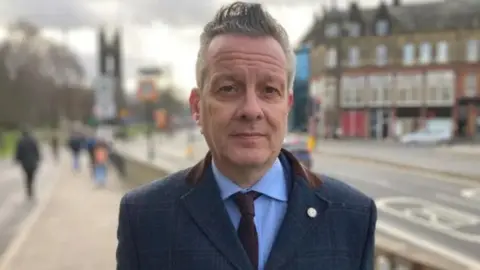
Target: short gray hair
248	19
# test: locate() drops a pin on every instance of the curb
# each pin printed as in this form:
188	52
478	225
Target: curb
403	166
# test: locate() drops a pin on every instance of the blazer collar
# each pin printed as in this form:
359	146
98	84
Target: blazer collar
204	204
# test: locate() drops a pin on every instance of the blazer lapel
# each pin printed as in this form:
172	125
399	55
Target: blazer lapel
297	221
207	209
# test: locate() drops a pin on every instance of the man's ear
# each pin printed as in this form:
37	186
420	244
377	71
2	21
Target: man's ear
194	101
290	99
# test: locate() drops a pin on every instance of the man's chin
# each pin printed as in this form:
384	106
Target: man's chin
249	157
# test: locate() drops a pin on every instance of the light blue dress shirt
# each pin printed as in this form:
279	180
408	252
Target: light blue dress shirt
270	207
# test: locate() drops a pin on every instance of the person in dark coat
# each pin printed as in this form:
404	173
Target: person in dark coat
28	156
76	143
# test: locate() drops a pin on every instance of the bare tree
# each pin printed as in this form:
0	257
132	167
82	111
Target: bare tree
39	78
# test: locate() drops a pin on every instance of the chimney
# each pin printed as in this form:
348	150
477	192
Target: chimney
396	3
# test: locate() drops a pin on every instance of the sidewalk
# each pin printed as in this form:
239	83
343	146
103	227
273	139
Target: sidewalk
463	149
75	229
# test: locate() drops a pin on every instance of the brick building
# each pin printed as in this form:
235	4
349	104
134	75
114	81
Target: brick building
399	64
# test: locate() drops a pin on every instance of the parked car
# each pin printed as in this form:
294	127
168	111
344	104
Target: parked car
435	132
298	146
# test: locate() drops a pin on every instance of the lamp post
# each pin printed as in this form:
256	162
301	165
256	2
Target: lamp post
338	71
147	92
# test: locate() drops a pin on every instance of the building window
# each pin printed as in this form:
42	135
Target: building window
360	91
425	53
354	56
331	59
432	86
402	90
409	54
442	52
471	52
381	28
386	86
330	92
446	93
354	29
381	55
376	89
332	30
440	88
470	85
346	89
417	89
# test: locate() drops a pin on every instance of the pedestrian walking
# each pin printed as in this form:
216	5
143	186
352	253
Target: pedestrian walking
75	143
90	142
101	153
28	157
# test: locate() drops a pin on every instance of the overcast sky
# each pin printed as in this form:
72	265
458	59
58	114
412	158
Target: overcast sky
163	32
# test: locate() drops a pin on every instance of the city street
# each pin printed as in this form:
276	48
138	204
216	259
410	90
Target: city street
445	212
14	207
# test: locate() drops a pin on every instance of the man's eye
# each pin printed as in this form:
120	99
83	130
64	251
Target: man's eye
271	90
227	88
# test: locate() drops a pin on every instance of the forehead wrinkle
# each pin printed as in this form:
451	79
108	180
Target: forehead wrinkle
224	60
235	54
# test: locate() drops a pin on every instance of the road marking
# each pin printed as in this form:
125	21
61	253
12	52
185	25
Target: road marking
451	254
458	201
433	216
471	193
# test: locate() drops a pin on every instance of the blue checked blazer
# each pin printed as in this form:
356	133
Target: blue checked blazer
180	223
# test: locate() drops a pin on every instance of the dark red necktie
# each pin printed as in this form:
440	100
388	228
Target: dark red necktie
247	232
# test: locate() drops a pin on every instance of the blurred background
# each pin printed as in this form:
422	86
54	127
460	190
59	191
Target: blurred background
386	98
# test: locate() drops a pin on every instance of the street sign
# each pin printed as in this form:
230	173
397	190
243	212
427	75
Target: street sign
105	107
147	90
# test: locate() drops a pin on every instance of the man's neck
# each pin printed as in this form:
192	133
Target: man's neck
243	176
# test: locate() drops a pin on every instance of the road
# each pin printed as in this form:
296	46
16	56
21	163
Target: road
424	157
445	213
438	213
14	207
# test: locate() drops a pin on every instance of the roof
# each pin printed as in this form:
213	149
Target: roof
418	17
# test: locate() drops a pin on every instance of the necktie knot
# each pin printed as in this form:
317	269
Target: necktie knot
245	201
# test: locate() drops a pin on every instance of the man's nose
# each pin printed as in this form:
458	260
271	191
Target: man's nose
251	106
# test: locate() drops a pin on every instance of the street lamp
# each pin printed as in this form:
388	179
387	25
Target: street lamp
338	71
147	92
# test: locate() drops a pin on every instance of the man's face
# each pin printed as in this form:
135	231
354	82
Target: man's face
243	106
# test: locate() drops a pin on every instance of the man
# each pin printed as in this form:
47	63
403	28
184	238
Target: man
28	156
75	143
90	143
249	204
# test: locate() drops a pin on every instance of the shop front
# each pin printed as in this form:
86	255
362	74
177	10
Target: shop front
354	123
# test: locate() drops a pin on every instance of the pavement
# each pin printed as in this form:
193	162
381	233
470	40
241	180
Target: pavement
74	228
14	207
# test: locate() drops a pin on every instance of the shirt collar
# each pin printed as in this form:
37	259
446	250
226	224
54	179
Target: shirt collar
273	184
